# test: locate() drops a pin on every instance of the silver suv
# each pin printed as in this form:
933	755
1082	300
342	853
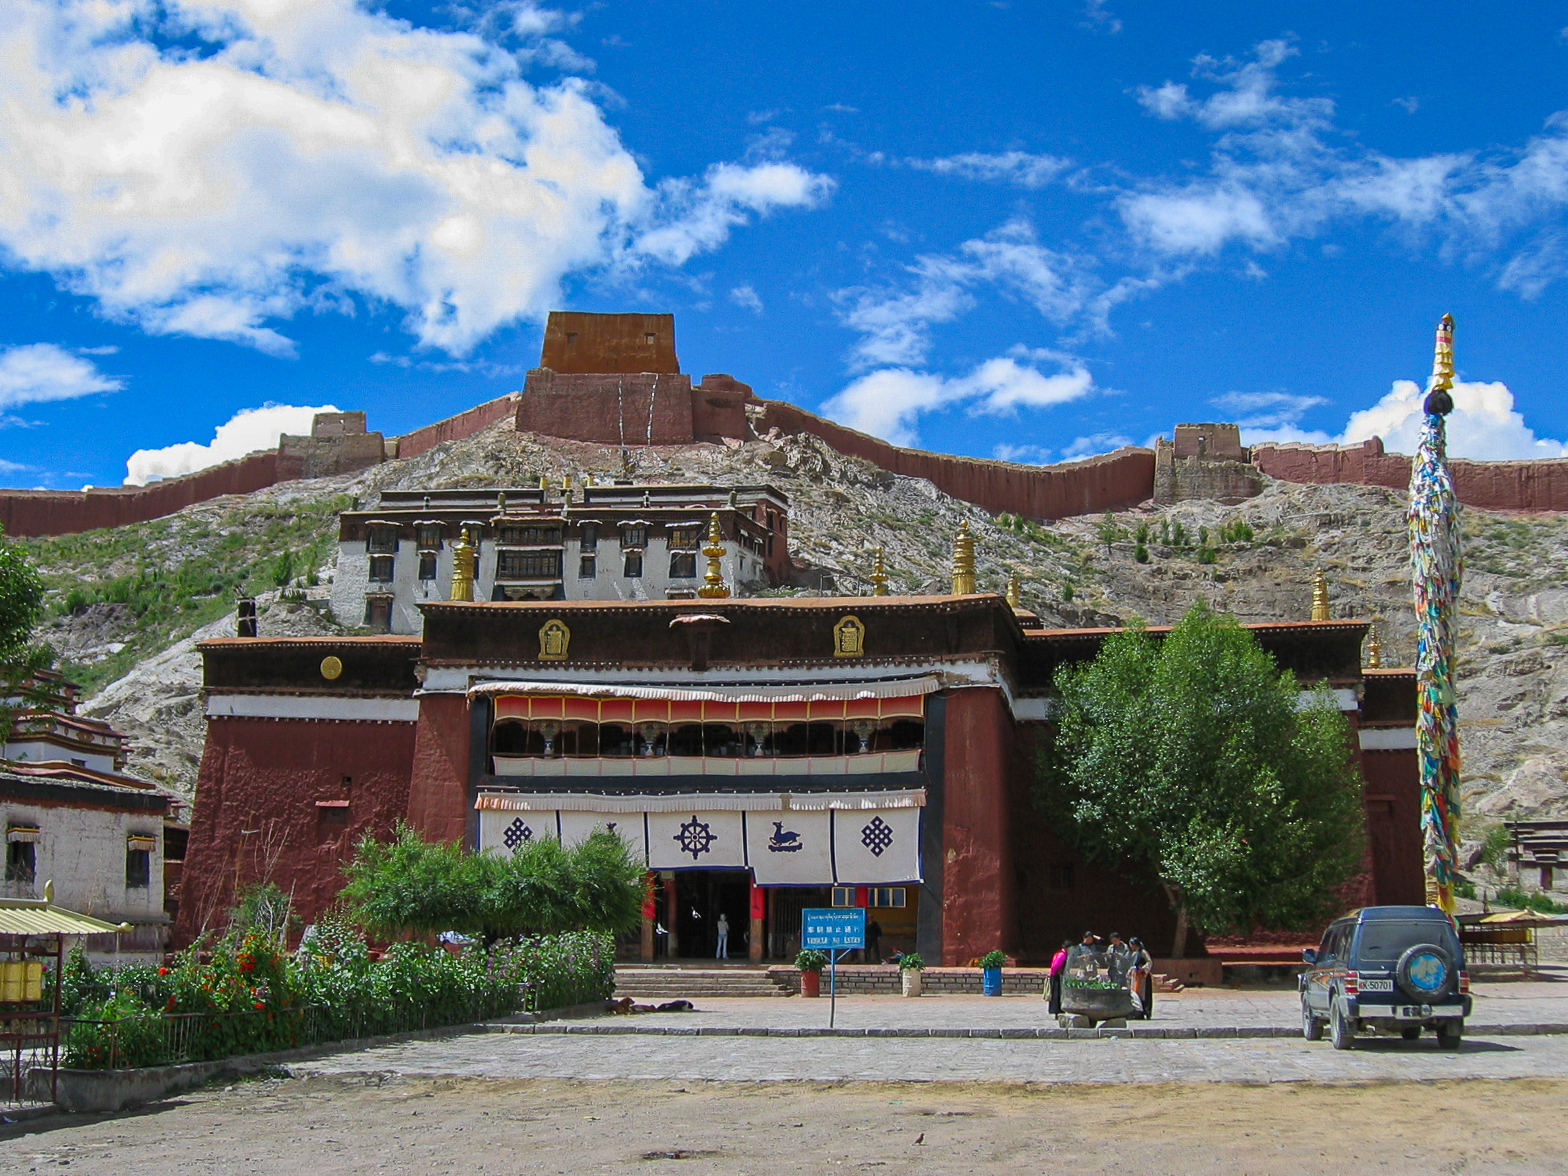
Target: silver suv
1390	969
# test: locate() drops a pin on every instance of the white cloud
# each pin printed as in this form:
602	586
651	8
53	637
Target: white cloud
1281	169
1007	167
896	323
1094	445
36	372
1099	18
889	402
746	297
210	167
1484	426
1022	454
1267	410
245	432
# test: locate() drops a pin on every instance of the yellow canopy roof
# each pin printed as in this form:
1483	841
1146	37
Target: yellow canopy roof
39	916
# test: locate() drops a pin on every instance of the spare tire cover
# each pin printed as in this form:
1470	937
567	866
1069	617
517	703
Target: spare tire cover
1425	971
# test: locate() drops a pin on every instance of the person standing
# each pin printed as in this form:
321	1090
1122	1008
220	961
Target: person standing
1140	977
873	951
723	929
1058	966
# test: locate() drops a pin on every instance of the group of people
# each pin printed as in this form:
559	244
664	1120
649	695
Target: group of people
1125	961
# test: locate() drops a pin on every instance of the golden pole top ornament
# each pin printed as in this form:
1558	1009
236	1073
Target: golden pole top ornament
879	577
1374	648
1320	610
463	562
714	587
964	562
1014	600
1443	355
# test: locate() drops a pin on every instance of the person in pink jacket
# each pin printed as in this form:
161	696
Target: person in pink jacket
1058	966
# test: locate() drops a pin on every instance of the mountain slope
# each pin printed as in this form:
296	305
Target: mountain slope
181	572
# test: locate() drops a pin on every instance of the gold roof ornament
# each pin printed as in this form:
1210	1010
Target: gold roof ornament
1014	599
1374	647
1320	609
879	576
464	561
964	562
1443	355
714	587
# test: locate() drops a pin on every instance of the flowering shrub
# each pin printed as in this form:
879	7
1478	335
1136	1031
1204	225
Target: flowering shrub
248	997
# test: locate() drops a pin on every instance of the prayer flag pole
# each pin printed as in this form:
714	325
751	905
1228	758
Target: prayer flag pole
1436	572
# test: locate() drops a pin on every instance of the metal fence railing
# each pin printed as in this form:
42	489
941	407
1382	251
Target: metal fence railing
28	1042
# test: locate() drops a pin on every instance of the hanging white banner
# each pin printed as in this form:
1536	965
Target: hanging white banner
576	826
505	832
695	840
790	849
877	848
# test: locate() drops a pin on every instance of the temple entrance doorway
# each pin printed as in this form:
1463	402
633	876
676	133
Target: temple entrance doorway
700	896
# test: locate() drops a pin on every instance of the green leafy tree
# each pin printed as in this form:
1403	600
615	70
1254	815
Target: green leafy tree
1192	759
21	658
409	884
1109	531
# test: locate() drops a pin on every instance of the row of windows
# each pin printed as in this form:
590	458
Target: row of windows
383	540
21	865
880	897
542	738
540	565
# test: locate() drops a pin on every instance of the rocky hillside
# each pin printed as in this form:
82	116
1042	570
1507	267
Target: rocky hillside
130	604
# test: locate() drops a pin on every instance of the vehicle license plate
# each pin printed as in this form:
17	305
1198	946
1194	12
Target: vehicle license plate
1415	1011
1377	986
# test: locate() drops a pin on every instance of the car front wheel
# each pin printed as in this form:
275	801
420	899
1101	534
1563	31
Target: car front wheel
1448	1034
1341	1032
1311	1027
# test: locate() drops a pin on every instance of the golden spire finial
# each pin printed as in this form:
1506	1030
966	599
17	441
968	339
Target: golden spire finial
1014	601
1443	356
964	562
1374	648
1320	610
714	586
463	561
879	577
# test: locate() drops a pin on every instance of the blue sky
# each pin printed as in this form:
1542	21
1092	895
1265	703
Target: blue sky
1024	230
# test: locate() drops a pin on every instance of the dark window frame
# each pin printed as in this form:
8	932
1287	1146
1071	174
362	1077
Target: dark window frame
138	868
21	861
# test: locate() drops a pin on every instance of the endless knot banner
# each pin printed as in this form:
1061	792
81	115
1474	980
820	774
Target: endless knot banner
517	833
878	848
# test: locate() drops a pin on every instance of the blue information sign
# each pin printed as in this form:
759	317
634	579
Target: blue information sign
833	928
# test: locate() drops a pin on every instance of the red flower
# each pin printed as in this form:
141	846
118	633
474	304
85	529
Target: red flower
259	1005
163	971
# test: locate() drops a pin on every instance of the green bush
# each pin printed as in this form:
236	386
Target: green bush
246	996
811	960
911	961
1517	899
993	959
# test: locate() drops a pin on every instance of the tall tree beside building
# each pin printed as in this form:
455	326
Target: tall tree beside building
21	605
1193	758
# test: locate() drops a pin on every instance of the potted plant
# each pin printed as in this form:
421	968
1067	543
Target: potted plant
811	962
910	965
991	965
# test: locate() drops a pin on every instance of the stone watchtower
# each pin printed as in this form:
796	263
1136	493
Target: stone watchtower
615	379
1205	461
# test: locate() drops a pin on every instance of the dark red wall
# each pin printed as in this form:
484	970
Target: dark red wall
1488	485
256	817
1116	480
609	410
438	793
977	873
1392	796
457	428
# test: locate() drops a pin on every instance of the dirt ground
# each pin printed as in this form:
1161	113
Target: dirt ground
332	1126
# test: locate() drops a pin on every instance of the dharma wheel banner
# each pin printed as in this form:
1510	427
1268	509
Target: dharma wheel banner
1436	572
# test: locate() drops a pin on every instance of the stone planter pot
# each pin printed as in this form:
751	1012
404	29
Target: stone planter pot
1098	1004
910	978
811	984
991	981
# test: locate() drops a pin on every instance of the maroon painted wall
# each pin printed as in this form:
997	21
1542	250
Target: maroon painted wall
265	776
1116	480
50	512
977	873
1488	485
1392	800
457	428
639	409
438	791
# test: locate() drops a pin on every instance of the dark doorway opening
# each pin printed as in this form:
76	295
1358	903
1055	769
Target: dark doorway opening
701	896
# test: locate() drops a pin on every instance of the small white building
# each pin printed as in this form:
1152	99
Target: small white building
589	542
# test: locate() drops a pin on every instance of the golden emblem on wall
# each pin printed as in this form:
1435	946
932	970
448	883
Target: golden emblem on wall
331	668
554	638
849	638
